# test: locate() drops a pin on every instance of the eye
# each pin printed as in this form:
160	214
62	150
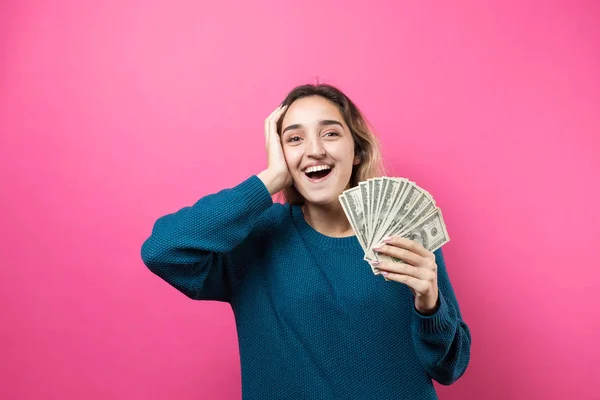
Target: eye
332	133
293	139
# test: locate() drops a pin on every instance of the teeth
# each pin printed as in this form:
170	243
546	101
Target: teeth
317	168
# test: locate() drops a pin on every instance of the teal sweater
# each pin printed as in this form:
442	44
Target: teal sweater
313	321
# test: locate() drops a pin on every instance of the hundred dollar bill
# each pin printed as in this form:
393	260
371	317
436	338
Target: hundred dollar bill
352	206
431	233
391	196
374	189
397	222
421	208
377	207
386	206
364	193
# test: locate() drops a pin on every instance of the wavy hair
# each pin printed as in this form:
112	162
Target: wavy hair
366	145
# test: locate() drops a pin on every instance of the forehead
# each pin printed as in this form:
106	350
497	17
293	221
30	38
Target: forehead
311	110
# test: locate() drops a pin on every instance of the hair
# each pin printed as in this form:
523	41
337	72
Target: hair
366	145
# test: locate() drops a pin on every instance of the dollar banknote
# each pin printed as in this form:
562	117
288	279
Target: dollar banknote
386	206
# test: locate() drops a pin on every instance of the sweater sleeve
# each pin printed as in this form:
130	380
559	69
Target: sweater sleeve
189	248
442	340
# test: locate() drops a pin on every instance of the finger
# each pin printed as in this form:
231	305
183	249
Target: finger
271	121
274	119
276	111
415	284
410	245
275	115
406	269
402	254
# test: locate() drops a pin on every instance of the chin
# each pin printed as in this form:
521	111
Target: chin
321	201
324	198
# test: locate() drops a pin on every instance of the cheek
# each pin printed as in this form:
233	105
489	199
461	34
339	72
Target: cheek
291	156
348	155
347	151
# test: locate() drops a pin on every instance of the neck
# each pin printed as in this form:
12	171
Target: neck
327	219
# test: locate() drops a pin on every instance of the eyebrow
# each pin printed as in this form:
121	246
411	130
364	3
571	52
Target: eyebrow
324	122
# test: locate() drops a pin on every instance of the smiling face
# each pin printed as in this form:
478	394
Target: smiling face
318	148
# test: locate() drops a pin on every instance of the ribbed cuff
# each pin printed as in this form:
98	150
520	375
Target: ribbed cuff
255	194
440	321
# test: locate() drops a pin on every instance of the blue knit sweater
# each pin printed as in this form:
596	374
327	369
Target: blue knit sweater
313	321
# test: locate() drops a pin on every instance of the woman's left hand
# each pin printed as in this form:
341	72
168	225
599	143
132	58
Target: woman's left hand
419	273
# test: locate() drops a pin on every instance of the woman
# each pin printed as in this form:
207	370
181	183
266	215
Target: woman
313	321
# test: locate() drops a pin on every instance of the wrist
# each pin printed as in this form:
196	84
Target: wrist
427	306
272	180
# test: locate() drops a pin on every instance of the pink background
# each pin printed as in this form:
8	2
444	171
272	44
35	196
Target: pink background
114	113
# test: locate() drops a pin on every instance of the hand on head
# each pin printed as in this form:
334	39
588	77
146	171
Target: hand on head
277	175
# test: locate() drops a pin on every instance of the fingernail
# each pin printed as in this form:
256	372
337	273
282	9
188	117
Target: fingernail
375	263
384	273
387	239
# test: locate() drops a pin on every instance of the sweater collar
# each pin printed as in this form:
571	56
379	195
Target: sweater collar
317	238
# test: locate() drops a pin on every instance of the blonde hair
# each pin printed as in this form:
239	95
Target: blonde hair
366	145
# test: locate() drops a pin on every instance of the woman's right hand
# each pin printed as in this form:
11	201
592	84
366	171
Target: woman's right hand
277	175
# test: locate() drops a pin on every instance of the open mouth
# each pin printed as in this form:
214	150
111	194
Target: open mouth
318	173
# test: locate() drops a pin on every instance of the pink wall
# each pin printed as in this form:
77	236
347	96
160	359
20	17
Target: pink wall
114	113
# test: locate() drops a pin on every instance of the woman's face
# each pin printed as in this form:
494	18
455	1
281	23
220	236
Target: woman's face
318	148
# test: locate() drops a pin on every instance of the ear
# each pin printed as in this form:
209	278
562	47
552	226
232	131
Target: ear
356	160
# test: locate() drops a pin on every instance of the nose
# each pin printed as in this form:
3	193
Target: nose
315	148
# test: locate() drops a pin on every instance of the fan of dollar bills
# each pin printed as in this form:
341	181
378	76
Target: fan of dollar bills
384	206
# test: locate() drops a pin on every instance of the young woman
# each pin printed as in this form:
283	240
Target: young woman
313	321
